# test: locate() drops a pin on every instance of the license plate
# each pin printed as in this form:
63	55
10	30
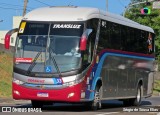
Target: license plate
42	94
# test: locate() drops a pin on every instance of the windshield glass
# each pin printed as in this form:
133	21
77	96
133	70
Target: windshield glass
44	47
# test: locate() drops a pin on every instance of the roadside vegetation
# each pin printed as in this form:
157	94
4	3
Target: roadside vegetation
5	74
156	90
151	20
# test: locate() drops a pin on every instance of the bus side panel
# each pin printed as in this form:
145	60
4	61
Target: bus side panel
121	73
150	84
144	72
115	77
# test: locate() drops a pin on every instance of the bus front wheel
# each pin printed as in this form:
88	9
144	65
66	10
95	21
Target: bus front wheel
96	103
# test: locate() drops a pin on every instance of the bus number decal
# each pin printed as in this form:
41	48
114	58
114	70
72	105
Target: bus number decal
104	24
58	81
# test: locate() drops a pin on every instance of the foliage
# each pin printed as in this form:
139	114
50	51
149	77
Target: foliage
156	89
152	20
6	65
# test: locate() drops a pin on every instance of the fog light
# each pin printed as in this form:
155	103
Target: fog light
70	95
17	92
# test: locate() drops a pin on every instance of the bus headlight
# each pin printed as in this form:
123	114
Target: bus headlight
72	80
18	82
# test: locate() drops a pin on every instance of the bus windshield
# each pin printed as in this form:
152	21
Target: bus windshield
44	47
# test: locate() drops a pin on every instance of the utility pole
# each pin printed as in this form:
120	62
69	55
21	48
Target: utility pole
25	7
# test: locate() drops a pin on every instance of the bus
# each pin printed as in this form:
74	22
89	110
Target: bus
83	55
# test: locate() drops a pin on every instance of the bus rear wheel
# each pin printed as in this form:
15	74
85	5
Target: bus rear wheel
37	104
137	101
134	101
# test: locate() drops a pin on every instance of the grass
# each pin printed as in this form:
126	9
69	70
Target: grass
156	90
6	65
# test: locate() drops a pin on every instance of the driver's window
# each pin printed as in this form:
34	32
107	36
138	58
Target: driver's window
88	53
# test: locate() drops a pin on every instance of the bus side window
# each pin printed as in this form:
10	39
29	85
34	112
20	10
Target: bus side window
102	42
90	45
115	36
124	38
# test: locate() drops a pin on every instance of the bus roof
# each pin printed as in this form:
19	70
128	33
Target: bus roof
74	13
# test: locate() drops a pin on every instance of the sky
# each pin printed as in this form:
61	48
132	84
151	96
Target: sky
10	8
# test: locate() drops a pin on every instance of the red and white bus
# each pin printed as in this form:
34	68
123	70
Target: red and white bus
81	55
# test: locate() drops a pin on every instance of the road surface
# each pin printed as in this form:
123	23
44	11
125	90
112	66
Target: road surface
111	107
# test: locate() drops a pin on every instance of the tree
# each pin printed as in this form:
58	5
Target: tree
134	1
152	20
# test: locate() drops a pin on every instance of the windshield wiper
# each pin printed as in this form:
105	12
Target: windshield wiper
33	63
55	63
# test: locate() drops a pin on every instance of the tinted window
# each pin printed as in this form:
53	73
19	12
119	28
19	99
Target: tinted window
34	28
110	36
121	37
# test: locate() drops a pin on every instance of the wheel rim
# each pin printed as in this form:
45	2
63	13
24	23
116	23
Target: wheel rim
138	95
97	101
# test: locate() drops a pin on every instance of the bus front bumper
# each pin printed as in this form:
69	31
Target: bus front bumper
68	94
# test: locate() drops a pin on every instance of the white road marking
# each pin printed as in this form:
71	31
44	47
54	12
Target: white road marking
158	113
108	113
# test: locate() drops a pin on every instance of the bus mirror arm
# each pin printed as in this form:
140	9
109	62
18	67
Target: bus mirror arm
8	37
83	43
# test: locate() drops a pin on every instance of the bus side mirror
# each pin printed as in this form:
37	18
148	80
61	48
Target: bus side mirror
8	37
83	43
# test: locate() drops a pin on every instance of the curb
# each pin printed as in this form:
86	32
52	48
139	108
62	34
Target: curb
10	100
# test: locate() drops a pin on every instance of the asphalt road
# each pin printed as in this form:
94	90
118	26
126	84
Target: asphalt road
111	107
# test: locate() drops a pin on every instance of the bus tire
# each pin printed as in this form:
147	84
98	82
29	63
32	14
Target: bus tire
37	104
96	103
137	101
